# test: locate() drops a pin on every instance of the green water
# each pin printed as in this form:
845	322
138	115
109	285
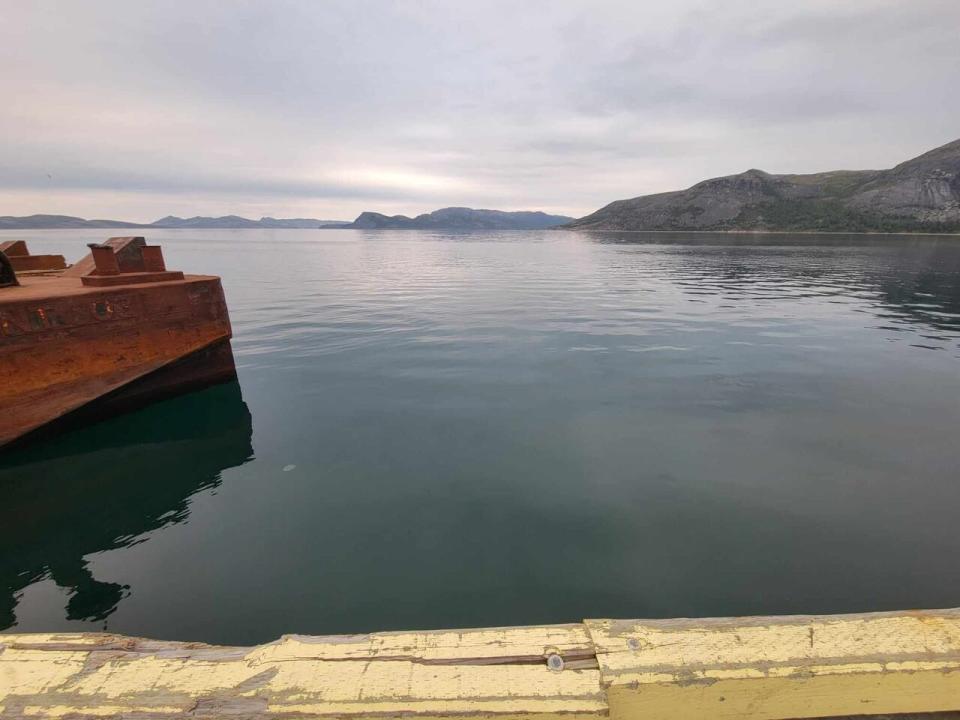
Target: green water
438	430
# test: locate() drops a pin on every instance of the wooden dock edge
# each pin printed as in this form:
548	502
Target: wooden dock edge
759	667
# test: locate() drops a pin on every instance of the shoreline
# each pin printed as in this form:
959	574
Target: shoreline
766	232
489	230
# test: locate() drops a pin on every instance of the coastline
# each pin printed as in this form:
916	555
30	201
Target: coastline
566	229
766	232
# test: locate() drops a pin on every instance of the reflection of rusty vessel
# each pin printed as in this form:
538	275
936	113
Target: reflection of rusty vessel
112	332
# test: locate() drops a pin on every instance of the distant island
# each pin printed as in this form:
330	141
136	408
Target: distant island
235	221
919	195
459	218
54	222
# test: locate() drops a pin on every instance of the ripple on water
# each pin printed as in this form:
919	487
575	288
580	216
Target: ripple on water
428	413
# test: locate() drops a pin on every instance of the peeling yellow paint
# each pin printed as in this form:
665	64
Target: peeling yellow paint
763	668
444	644
780	667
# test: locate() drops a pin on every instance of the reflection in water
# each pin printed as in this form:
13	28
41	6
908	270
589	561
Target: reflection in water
927	292
104	486
911	282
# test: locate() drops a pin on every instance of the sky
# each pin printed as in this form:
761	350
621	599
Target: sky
325	108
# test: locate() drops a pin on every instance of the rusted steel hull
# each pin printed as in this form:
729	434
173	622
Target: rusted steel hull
70	350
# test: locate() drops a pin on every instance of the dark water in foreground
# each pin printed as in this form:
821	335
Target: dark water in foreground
448	431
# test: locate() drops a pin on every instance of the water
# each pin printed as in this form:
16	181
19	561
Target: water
438	430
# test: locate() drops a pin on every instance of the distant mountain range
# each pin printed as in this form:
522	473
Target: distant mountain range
919	195
460	218
44	222
235	221
922	194
445	219
53	222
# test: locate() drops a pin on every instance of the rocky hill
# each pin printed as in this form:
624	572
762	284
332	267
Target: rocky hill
922	194
237	222
459	218
54	222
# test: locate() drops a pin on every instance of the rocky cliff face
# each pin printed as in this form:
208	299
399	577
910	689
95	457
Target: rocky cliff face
926	188
922	194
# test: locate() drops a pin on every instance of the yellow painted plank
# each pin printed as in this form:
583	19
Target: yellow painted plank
757	668
491	673
780	667
442	645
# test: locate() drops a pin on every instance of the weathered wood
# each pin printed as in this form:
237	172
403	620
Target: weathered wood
781	667
472	673
770	668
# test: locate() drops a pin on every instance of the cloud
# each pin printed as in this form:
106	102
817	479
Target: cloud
327	109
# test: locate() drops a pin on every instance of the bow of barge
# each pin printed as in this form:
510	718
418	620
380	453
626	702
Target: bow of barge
112	332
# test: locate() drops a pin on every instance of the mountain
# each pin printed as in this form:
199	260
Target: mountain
227	221
55	222
459	218
922	194
304	223
237	222
44	222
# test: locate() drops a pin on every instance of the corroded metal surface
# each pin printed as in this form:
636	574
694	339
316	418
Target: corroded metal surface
793	667
14	248
23	261
131	278
66	343
127	251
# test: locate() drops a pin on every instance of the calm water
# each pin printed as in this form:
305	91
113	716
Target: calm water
449	431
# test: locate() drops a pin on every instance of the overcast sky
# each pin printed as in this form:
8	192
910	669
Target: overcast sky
324	108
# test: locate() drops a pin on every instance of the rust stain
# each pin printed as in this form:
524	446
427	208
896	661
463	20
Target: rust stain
22	261
125	329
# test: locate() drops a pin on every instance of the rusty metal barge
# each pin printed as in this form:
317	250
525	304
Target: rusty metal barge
108	334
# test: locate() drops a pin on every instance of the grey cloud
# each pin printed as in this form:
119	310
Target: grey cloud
747	62
91	177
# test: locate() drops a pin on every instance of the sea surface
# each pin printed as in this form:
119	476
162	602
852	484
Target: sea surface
439	430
